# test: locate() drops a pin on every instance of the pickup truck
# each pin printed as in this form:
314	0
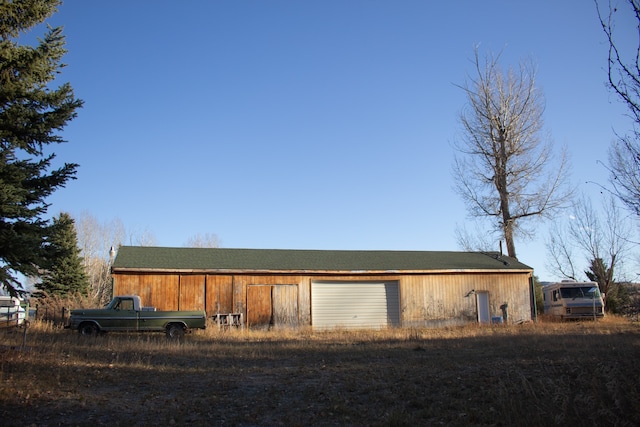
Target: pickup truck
126	314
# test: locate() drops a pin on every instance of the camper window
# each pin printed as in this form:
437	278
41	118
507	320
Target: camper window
582	292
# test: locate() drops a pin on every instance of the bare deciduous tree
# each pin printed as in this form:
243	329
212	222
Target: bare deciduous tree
623	70
141	237
589	240
206	240
560	252
475	240
503	169
95	240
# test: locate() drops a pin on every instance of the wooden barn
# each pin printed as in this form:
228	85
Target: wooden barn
329	289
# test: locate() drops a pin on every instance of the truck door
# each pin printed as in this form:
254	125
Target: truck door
124	316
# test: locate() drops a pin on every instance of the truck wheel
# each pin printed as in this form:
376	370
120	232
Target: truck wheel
88	329
175	331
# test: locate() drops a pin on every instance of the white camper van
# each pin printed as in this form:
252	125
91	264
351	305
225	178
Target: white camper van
13	311
573	300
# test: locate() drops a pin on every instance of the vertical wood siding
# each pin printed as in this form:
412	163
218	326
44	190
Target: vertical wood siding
448	298
219	294
428	299
192	291
155	290
259	305
271	304
242	282
284	302
304	301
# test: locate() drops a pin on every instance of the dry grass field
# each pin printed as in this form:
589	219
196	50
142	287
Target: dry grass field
576	373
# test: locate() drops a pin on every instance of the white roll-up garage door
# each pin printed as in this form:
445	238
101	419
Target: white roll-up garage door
354	304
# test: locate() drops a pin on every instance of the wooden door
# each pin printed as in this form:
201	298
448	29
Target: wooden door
259	310
272	306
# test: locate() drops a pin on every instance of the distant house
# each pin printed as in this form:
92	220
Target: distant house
329	289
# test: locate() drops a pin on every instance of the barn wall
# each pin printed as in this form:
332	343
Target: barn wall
286	311
191	292
425	300
259	305
448	298
273	300
219	294
155	290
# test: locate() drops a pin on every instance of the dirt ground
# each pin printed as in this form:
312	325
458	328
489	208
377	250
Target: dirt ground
567	374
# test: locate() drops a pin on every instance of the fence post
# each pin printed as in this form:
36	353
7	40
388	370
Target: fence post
25	326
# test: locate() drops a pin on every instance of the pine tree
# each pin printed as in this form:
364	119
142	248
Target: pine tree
32	114
65	273
615	294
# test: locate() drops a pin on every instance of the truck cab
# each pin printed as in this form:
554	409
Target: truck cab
127	303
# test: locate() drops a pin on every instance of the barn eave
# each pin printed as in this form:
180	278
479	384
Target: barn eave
125	270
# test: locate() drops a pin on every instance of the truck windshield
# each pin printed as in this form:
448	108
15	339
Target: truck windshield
589	292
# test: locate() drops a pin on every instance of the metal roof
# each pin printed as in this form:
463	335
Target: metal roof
147	258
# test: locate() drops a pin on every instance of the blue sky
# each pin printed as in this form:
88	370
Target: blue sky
309	124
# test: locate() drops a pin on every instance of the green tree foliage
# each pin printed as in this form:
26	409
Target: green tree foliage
539	295
65	274
32	114
616	295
